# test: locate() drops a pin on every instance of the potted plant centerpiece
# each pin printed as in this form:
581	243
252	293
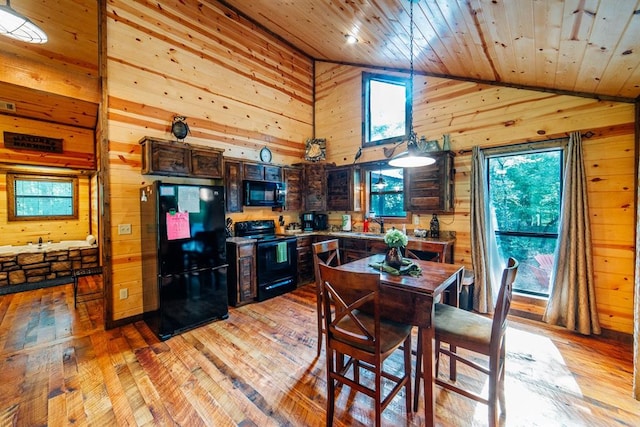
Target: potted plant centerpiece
395	239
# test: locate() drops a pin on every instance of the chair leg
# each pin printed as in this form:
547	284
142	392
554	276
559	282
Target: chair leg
418	374
407	372
320	318
453	372
330	390
502	369
378	393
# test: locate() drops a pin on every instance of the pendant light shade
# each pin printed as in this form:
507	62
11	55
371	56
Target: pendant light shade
413	157
16	26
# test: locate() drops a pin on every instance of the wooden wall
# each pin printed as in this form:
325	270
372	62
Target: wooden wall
475	114
77	155
240	88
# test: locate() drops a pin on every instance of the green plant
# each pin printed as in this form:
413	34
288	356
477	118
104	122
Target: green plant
395	238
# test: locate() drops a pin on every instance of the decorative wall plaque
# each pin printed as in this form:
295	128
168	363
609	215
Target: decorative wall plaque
20	141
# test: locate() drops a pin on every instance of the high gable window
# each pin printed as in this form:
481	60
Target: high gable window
38	197
385	109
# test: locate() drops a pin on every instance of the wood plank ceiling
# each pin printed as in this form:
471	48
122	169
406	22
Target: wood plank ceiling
584	46
588	47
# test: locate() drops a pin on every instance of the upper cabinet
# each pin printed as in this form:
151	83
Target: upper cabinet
430	188
262	172
233	185
172	158
293	187
315	186
344	188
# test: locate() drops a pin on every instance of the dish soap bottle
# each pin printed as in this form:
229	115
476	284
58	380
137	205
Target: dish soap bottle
435	226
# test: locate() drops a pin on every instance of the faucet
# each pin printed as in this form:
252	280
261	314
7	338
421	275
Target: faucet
379	221
40	242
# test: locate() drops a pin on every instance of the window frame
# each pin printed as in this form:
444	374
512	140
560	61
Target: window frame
524	149
11	196
366	108
369	167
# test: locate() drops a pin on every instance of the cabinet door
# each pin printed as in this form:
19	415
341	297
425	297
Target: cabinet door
339	189
315	185
253	171
305	260
233	185
293	188
165	158
272	173
206	163
430	188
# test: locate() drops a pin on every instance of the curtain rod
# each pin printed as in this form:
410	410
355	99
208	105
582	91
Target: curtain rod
587	134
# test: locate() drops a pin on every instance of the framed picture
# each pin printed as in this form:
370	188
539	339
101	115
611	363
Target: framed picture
315	149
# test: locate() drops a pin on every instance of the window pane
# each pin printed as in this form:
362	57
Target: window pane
387	103
387	195
385	109
42	197
525	194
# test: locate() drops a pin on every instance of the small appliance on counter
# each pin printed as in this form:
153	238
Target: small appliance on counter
321	222
308	221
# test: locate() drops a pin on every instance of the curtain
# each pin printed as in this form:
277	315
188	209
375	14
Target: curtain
484	253
572	300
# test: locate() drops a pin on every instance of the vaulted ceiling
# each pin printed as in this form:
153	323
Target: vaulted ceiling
584	46
587	47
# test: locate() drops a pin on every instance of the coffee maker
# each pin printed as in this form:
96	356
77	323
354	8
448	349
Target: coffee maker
308	221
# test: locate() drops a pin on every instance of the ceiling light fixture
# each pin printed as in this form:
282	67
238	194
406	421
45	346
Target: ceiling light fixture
351	39
413	157
16	26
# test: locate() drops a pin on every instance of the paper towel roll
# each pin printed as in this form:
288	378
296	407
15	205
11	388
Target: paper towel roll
346	222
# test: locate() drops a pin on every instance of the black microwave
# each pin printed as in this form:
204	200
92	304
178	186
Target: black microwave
263	193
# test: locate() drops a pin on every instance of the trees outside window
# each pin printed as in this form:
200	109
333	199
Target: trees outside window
525	194
386	193
37	197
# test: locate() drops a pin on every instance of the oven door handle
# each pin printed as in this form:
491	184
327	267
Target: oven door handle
273	243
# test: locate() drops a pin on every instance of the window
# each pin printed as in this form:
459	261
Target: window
386	193
525	196
37	197
385	109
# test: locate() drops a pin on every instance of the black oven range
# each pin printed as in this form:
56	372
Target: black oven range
277	260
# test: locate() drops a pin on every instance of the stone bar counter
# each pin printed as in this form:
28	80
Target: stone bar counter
49	261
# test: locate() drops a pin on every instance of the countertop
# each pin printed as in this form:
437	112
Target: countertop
446	237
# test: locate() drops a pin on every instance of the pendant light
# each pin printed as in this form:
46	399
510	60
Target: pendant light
19	27
380	184
412	157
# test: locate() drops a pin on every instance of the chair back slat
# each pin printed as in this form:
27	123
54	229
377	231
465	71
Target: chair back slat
503	304
350	292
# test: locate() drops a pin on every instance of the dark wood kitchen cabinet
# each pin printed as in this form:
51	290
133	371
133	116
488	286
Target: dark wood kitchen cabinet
172	158
262	172
305	260
293	187
242	281
315	186
233	185
344	188
430	188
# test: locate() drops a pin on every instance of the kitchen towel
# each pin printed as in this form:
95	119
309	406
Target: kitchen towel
281	252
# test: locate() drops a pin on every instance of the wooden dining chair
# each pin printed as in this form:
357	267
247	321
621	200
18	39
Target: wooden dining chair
326	252
464	329
355	330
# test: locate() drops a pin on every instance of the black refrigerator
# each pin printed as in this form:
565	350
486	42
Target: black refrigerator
184	264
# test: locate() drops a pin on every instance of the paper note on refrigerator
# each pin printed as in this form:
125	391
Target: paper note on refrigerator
178	226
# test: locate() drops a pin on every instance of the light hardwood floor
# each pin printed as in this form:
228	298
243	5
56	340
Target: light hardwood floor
259	368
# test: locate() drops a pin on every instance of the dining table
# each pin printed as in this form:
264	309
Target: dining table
411	299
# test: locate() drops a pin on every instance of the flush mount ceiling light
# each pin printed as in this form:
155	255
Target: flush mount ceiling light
16	26
413	157
351	39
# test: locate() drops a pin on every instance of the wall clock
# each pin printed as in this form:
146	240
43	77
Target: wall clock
265	155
